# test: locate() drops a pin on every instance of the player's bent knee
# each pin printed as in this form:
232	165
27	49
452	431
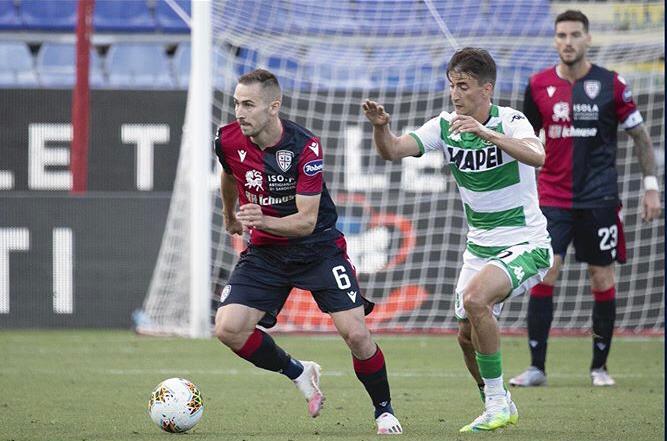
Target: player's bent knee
228	334
358	339
474	304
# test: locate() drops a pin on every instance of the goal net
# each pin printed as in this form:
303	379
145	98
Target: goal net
403	220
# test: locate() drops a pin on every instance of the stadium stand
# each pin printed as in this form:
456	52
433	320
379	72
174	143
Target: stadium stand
48	15
181	65
168	20
56	66
123	16
17	69
139	65
9	17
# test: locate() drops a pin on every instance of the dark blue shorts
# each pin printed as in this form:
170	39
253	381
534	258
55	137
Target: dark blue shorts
265	275
597	233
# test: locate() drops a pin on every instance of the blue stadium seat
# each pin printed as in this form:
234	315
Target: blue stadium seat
182	65
9	17
168	20
123	16
49	15
520	18
56	66
329	67
17	68
139	65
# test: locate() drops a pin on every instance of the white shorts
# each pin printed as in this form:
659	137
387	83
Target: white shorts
525	266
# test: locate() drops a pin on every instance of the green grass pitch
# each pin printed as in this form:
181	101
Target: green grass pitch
95	385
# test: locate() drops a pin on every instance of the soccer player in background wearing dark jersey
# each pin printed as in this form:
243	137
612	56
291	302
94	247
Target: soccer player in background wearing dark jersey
273	168
580	105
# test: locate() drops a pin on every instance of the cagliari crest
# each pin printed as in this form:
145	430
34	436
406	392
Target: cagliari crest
592	88
284	159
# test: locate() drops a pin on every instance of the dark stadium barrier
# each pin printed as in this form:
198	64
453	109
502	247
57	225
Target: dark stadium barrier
83	260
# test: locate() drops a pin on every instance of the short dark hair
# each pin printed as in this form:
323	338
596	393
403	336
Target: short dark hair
572	15
475	62
267	79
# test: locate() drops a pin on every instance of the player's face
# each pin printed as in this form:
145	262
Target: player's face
467	95
571	41
252	108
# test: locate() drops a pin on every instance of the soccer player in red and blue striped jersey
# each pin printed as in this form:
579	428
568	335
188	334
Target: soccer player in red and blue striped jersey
580	106
273	168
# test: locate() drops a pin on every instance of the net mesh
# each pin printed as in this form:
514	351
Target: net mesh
403	220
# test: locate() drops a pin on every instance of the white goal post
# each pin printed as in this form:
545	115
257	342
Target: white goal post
403	221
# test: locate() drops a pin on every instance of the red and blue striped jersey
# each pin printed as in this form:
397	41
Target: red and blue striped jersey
274	176
580	122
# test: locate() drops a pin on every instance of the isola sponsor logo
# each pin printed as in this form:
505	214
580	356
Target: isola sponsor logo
475	160
313	167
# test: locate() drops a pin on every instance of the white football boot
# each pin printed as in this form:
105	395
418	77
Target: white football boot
600	377
309	385
529	378
388	424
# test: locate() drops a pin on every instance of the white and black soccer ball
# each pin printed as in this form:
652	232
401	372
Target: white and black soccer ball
176	405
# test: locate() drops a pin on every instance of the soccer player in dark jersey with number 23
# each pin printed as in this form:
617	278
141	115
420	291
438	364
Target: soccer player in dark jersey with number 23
580	105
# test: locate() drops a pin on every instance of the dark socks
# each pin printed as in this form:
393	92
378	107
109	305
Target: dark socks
604	317
373	375
262	351
540	316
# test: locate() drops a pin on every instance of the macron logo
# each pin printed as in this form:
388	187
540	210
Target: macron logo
315	147
352	295
551	90
242	154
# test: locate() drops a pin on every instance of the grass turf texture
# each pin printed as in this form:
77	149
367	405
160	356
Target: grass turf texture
95	385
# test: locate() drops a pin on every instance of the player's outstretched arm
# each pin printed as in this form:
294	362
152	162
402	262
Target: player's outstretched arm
651	205
229	197
388	145
302	223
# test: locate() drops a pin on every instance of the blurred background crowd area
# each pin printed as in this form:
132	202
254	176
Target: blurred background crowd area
144	44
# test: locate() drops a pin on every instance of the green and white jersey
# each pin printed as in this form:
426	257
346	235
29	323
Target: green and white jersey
499	193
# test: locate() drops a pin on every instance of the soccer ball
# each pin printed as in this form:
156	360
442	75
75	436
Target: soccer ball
176	405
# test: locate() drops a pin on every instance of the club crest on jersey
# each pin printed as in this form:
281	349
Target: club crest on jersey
592	88
284	159
561	111
313	167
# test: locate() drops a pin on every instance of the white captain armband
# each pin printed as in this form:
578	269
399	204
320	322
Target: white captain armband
651	183
633	120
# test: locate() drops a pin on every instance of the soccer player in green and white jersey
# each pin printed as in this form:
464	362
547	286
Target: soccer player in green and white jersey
492	152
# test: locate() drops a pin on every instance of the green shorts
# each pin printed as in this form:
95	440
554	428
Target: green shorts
525	265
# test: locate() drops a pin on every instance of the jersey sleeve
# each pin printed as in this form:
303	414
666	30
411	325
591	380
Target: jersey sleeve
217	147
530	109
516	125
626	109
311	165
429	136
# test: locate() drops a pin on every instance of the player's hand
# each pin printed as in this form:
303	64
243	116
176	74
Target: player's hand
651	205
250	216
375	113
233	226
468	124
